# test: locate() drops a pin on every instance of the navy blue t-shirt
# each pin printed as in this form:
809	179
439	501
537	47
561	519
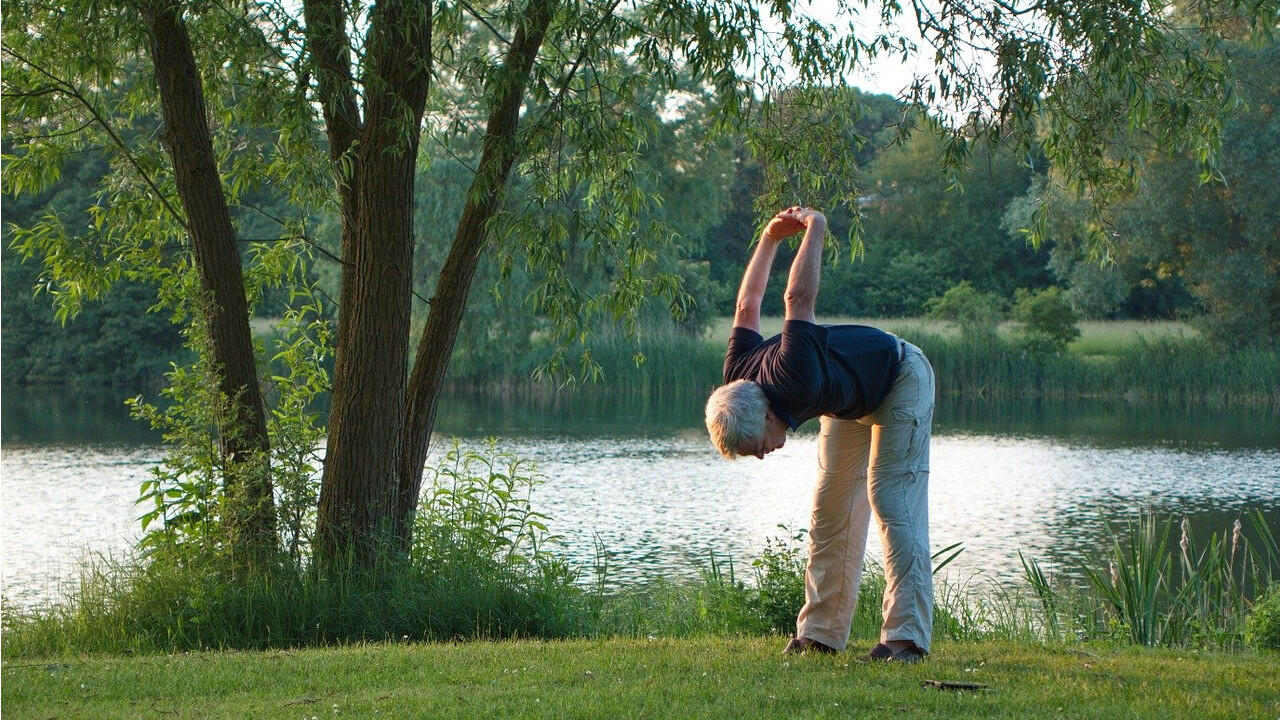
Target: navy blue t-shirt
811	370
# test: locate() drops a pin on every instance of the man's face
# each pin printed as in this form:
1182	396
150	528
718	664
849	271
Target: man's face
775	436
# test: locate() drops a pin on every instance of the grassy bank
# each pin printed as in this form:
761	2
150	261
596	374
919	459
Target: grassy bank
1151	362
704	677
1156	586
1096	336
1148	361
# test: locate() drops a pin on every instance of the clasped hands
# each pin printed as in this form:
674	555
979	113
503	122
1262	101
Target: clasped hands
791	221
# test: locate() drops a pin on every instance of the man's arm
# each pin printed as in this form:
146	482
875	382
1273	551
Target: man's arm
802	284
756	276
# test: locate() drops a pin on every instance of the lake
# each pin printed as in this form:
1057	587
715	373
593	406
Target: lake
639	476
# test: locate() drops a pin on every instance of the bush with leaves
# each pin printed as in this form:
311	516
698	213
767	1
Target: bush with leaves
477	506
1048	321
974	311
779	575
184	498
1262	627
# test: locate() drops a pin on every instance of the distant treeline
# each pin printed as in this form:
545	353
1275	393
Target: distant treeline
115	341
1179	247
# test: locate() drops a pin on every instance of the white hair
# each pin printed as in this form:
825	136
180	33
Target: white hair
735	416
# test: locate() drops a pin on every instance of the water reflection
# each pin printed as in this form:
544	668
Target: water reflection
660	504
640	475
88	416
1112	423
98	416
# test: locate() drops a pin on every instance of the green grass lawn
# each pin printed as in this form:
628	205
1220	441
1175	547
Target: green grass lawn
735	678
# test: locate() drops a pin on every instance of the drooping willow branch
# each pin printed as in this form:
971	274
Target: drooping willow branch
66	88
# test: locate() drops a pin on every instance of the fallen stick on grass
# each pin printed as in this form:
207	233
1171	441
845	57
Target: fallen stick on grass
950	685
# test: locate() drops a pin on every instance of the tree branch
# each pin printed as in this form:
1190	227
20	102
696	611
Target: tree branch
454	280
24	139
66	88
330	48
472	11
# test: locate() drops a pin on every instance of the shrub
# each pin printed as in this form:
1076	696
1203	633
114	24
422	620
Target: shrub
1048	322
780	580
973	310
482	566
1262	627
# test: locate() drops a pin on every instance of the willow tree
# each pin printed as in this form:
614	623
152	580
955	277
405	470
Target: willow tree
330	102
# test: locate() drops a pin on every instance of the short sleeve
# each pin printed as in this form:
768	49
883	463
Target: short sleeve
800	369
741	342
804	345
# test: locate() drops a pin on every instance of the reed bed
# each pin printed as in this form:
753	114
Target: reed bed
1145	590
1168	369
1164	365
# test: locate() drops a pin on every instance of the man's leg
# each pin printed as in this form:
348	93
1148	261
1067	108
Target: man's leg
837	533
898	485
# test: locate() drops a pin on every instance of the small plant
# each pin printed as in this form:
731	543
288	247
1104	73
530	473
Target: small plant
1262	628
780	579
1049	603
476	511
184	501
1136	580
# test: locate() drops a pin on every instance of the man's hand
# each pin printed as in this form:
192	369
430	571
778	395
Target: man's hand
783	225
802	285
806	217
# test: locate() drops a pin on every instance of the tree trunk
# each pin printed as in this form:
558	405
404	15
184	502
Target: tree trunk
454	284
243	440
365	446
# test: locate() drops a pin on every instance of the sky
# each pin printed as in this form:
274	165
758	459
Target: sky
890	73
886	74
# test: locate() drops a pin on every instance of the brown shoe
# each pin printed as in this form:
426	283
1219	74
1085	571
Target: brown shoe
800	645
882	653
910	656
879	653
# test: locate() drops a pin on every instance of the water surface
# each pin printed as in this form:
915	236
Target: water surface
639	476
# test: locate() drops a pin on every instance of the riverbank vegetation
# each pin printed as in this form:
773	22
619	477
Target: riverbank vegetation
484	564
1164	362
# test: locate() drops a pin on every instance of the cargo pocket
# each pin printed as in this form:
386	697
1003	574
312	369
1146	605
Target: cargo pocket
915	456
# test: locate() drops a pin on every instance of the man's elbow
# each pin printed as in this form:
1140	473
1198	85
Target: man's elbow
800	299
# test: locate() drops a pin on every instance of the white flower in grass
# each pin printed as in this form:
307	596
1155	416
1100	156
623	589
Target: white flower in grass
1236	533
1185	543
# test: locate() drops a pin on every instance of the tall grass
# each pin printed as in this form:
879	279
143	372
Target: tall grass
1193	595
1145	590
133	605
482	565
672	362
663	361
1170	367
1166	369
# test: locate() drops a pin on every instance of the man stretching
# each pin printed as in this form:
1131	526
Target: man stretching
874	395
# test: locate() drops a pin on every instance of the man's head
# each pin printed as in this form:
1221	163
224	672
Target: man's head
741	423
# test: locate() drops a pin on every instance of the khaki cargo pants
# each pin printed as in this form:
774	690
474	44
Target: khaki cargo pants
876	464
